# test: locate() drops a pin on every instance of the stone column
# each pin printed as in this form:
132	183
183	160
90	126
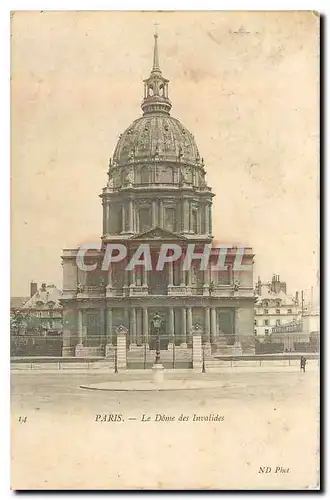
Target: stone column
123	218
186	217
189	284
104	217
154	213
189	323
206	219
126	282
213	324
197	351
109	326
133	328
144	277
121	351
170	273
109	285
102	327
171	325
109	228
145	322
80	327
182	276
132	279
230	272
206	285
161	213
184	327
78	350
109	346
130	216
207	324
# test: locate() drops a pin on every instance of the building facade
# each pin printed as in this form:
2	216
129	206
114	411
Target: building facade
36	323
156	193
42	310
274	308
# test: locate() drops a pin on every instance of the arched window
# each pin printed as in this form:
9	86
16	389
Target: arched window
150	91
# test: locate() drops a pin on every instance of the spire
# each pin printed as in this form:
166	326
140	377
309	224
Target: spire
155	66
156	88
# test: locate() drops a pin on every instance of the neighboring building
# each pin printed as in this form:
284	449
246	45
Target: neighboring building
43	308
17	303
274	308
311	322
156	193
41	311
282	323
36	322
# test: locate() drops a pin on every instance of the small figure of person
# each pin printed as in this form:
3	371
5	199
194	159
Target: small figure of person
303	361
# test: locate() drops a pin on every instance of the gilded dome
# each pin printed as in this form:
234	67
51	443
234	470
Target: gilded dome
156	136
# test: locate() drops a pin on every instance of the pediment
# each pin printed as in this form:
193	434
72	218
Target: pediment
158	233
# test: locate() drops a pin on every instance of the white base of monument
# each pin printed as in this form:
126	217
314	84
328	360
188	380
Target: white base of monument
158	373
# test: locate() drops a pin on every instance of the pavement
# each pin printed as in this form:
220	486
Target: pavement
67	437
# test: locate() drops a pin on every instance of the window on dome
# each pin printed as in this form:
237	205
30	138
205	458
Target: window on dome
165	175
144	174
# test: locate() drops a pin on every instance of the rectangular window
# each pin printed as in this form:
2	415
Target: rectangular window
170	219
194	222
289	311
265	311
278	322
278	311
255	322
266	322
145	219
266	331
255	332
138	276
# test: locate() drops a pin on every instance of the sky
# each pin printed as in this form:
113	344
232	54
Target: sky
246	84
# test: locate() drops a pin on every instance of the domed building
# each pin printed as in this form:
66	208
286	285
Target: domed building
156	193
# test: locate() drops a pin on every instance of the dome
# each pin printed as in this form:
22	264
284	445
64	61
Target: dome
156	135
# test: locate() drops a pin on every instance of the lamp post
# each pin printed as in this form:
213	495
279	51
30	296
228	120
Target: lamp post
145	353
173	352
157	322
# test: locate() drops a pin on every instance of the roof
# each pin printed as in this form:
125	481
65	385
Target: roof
267	294
44	298
153	135
18	302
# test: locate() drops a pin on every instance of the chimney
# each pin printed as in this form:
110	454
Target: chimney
33	288
297	298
